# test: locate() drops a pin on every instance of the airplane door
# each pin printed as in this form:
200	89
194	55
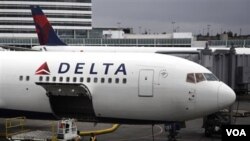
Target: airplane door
146	78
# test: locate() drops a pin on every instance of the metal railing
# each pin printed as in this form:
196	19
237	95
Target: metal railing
15	126
124	42
103	42
228	43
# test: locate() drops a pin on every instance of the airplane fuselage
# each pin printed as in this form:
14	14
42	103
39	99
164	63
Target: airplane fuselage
102	86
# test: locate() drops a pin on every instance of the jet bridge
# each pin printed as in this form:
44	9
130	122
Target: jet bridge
70	100
230	66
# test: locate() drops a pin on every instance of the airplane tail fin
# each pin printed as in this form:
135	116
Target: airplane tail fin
44	30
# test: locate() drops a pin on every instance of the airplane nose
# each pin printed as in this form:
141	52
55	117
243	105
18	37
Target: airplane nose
226	96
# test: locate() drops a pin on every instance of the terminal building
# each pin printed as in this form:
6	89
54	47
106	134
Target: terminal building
70	18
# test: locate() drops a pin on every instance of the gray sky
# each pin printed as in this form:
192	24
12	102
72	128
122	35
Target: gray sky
189	15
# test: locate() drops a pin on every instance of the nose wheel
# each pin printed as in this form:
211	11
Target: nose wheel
172	130
213	123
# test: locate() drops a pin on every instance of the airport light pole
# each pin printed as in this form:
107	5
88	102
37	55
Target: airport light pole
119	28
118	24
177	29
173	25
208	28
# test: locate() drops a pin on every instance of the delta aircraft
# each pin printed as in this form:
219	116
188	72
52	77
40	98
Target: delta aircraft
108	87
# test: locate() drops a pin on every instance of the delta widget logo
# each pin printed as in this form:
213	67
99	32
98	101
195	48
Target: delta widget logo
43	69
79	68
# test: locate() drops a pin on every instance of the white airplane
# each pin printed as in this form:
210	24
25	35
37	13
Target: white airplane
109	87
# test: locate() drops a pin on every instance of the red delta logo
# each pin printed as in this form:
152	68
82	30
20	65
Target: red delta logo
43	69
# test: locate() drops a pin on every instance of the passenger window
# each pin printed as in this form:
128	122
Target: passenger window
190	78
102	80
40	78
110	80
95	80
21	78
210	77
27	78
54	79
47	78
88	79
67	79
74	79
199	77
61	79
117	80
124	80
81	79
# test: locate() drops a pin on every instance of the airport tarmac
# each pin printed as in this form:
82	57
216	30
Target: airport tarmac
193	131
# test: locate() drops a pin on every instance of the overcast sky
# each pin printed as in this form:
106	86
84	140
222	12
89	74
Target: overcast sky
189	15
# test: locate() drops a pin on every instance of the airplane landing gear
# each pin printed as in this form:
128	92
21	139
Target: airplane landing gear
172	129
213	123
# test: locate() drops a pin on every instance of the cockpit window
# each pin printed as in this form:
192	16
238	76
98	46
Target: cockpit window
210	77
190	78
199	77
